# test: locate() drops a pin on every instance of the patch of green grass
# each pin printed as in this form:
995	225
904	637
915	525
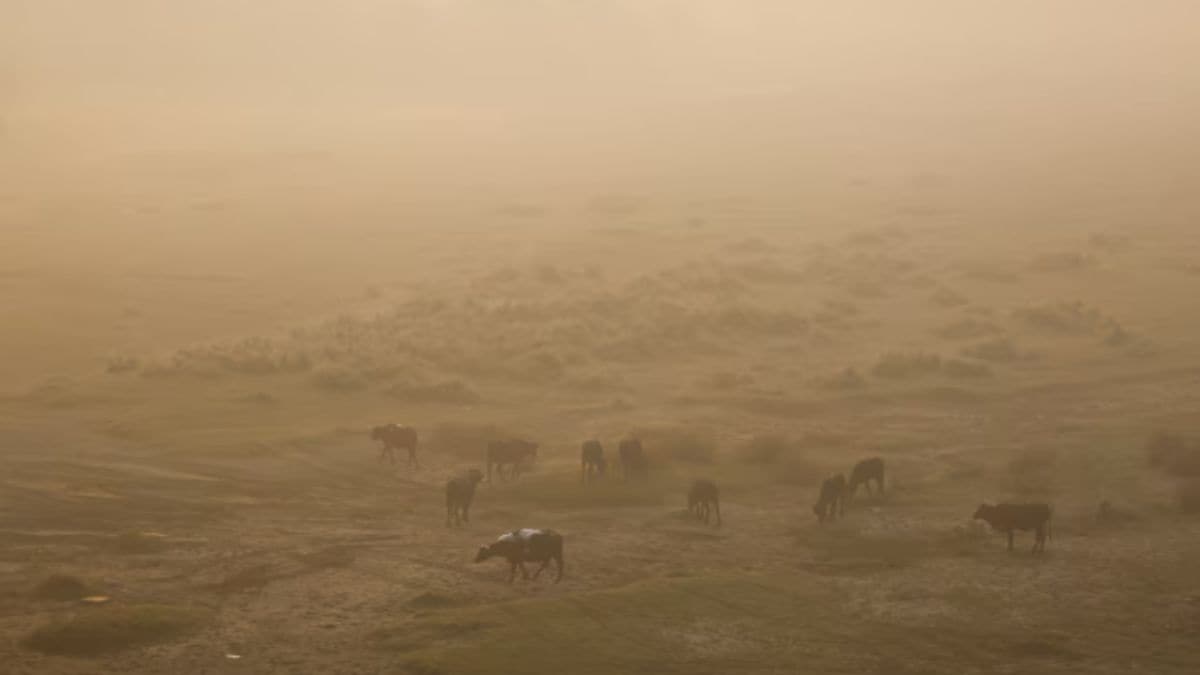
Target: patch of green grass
110	629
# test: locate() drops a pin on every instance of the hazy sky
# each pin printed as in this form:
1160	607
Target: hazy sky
749	79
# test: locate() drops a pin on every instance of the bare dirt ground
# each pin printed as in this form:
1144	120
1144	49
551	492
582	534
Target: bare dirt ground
193	444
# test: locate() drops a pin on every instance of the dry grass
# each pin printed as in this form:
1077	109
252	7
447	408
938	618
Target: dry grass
107	629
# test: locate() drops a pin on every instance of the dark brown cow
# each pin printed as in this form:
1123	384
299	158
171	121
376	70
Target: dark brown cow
395	437
460	491
592	461
832	501
1008	518
632	458
513	453
526	545
704	499
863	473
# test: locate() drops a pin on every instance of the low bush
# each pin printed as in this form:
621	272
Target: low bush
1173	454
1000	350
449	391
903	365
114	628
961	369
61	587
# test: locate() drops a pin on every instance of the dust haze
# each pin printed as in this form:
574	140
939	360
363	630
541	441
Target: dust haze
766	240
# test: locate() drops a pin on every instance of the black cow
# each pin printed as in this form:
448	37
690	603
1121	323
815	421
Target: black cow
704	498
632	458
832	501
863	473
460	491
526	545
513	453
592	461
1024	517
395	437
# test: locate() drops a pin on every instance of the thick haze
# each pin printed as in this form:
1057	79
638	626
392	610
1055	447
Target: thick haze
680	92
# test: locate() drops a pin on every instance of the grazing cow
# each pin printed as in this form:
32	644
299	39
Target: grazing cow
632	458
863	473
592	460
526	545
460	491
395	437
513	453
832	501
1024	517
703	498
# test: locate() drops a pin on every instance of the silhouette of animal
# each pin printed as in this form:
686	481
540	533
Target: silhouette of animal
513	453
592	461
632	458
704	499
460	491
396	437
831	502
863	473
1008	518
526	545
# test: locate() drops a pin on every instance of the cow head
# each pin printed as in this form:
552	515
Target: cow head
377	433
484	553
474	475
982	512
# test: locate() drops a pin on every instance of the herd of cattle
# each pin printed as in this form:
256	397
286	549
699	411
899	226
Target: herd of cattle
509	457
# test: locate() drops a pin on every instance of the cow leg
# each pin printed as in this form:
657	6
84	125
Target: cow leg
466	513
412	458
881	486
558	562
717	506
545	563
449	512
512	571
1010	540
1039	543
524	572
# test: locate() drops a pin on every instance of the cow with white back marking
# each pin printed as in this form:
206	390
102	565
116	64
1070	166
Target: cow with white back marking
526	545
